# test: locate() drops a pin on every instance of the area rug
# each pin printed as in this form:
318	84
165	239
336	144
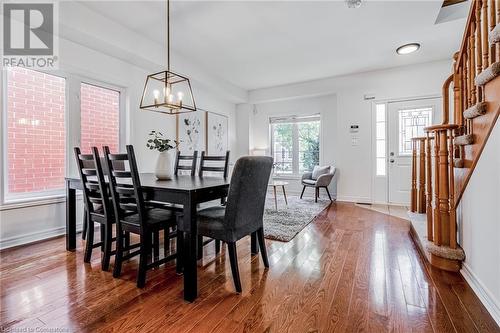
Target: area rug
286	222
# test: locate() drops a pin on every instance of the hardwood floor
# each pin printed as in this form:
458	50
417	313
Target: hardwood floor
350	270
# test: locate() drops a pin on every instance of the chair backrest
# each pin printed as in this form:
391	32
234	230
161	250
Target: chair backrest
224	168
247	194
95	191
125	186
193	158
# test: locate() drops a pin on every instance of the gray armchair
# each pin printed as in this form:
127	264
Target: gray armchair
320	177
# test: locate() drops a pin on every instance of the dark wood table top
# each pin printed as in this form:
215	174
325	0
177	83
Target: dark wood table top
184	183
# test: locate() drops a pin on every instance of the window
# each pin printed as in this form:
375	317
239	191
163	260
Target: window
380	139
37	130
100	117
295	144
411	124
36	135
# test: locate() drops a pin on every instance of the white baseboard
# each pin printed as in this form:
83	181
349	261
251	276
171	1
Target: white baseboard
34	237
354	199
484	295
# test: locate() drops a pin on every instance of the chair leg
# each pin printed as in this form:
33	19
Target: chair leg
119	251
126	241
166	241
108	235
199	253
328	192
217	247
90	241
85	222
233	257
179	245
316	195
262	245
156	244
254	248
102	232
143	261
302	194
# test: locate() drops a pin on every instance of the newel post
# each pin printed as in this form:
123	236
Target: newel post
413	193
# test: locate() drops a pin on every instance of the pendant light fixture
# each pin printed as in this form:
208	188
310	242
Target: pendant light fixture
168	92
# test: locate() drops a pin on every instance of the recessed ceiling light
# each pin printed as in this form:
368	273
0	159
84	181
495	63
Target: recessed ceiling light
408	48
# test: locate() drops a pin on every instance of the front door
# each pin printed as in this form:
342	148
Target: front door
406	120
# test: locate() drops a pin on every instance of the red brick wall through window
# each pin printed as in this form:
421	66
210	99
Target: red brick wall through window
35	131
100	117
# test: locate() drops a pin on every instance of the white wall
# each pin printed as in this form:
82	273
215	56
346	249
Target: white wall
354	162
26	223
324	105
479	226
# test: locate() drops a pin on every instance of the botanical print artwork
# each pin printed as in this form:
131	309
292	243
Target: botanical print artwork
217	134
191	132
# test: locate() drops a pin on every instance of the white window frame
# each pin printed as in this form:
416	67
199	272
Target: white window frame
295	153
72	114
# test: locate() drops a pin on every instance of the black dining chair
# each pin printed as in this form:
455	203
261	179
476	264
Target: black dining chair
220	165
89	164
244	210
179	166
132	215
98	208
212	159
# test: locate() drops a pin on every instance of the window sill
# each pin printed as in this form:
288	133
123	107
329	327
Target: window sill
33	202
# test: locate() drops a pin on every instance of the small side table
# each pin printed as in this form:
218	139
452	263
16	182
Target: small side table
278	183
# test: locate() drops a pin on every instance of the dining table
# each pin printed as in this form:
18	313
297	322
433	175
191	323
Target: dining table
185	190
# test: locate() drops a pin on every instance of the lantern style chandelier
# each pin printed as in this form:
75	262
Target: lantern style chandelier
168	92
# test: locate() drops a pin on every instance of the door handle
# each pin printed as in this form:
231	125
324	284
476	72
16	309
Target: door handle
391	160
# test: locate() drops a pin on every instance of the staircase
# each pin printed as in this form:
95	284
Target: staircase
449	152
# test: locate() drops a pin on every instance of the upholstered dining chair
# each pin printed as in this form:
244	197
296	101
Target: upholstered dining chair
320	177
243	213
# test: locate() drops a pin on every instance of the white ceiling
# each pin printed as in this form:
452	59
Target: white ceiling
256	44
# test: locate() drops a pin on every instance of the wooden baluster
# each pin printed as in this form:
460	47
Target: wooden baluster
429	188
413	199
472	57
457	106
486	44
437	217
421	177
497	6
479	48
492	19
467	77
444	195
452	212
479	35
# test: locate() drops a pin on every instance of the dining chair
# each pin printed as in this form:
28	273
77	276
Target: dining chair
244	210
214	159
132	215
178	166
90	164
212	166
97	205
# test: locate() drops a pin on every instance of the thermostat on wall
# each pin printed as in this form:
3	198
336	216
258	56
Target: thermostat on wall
354	129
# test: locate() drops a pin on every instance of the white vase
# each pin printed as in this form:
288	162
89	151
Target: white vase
165	165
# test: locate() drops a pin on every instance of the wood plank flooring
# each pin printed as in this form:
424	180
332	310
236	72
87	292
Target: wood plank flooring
351	270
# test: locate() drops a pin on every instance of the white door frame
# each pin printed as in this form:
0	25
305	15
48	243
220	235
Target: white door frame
377	180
